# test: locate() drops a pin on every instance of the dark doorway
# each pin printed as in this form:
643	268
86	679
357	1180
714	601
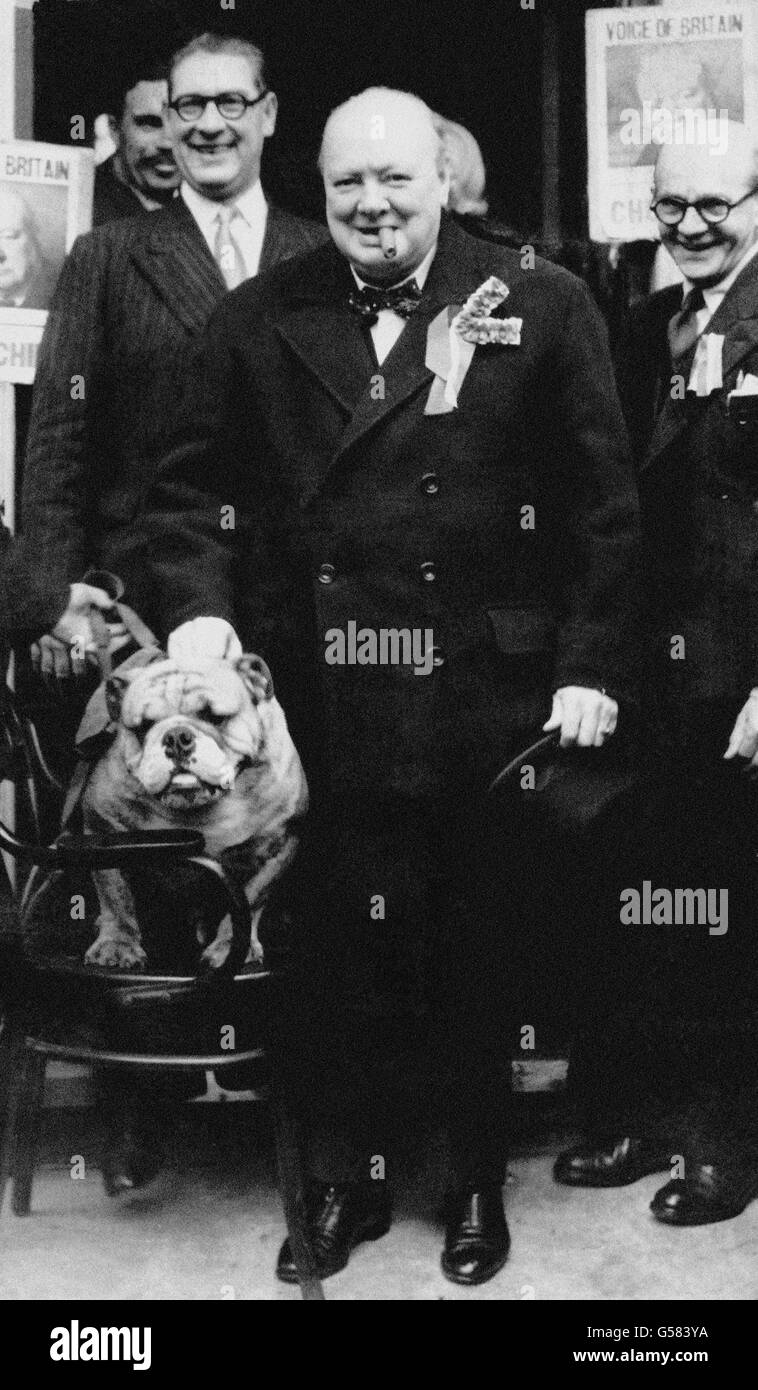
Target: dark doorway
478	62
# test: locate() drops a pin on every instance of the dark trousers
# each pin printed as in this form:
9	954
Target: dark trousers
668	1015
413	1014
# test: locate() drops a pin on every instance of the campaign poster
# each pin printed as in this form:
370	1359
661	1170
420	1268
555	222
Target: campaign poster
670	74
45	202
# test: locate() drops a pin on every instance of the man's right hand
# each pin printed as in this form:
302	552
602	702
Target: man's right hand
204	639
72	645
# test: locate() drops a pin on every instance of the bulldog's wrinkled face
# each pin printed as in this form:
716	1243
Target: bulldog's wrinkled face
187	730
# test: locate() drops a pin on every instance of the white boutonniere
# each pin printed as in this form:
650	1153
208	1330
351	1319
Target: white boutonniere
454	335
742	401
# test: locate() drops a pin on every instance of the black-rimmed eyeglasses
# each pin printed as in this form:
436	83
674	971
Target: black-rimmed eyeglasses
230	105
671	211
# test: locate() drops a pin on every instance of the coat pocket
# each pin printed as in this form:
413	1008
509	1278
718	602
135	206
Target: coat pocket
522	631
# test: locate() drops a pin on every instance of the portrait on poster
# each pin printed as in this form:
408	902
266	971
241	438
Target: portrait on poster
45	202
670	74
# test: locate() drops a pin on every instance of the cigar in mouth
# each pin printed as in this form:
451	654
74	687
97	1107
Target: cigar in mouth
387	242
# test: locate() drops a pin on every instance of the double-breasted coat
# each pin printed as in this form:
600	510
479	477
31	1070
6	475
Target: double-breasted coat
311	490
506	527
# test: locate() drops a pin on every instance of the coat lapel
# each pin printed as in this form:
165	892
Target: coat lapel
454	275
673	414
322	330
174	256
277	246
327	336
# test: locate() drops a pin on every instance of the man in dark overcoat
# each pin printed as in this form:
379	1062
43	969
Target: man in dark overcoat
667	1063
430	538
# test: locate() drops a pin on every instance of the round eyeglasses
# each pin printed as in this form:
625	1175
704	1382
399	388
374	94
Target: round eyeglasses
230	105
671	211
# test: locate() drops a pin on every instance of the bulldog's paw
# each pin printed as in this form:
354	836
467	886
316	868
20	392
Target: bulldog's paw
116	953
213	956
255	954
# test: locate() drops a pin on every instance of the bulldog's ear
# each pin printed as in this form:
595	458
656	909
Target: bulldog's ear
257	677
114	695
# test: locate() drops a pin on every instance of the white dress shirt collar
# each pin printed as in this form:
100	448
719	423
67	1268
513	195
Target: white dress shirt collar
251	204
248	230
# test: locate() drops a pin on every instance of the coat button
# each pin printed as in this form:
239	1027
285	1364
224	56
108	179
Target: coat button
428	571
326	574
429	483
438	656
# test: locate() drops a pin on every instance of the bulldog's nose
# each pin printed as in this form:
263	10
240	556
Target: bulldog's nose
179	743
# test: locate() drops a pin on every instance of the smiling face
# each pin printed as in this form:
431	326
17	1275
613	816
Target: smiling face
19	256
220	158
384	183
144	142
706	254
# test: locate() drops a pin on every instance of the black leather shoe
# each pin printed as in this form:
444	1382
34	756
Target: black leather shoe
477	1239
339	1218
613	1164
709	1193
130	1161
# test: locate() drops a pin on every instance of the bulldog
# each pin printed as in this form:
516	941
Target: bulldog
206	746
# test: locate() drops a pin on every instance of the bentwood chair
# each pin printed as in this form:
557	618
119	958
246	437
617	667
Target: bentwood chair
53	1006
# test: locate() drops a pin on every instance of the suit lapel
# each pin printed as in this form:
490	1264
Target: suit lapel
737	319
174	256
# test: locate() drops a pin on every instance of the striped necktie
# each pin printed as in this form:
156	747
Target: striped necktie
227	252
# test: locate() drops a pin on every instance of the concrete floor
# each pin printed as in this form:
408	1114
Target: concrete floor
210	1226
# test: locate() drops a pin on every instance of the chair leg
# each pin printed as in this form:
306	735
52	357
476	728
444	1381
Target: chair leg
293	1198
29	1123
12	1053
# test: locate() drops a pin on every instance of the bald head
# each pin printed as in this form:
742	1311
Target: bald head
385	180
19	248
381	113
695	172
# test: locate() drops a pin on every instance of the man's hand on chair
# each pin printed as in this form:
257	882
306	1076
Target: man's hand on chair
72	645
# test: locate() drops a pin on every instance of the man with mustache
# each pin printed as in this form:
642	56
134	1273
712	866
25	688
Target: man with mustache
116	373
361	495
142	175
666	1066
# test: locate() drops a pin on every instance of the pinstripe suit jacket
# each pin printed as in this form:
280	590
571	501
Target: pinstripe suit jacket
114	376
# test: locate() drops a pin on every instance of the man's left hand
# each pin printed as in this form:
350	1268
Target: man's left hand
585	717
744	740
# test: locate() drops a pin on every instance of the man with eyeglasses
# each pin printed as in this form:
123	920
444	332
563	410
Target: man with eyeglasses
115	378
666	1065
115	370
